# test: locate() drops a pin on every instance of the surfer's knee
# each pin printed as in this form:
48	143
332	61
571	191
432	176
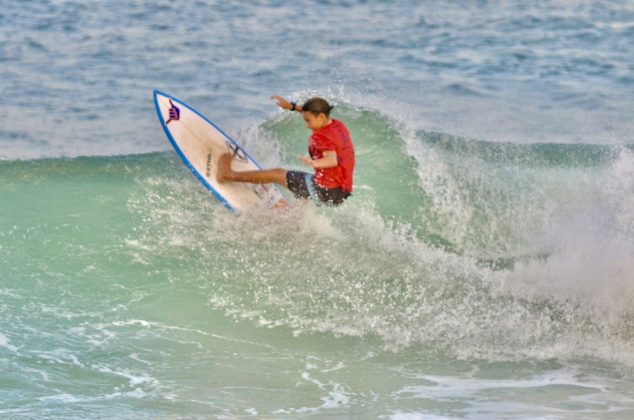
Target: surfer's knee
280	176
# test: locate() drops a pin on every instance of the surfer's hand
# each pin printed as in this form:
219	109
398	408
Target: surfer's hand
282	103
306	160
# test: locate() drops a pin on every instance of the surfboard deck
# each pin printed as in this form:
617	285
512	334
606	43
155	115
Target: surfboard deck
199	143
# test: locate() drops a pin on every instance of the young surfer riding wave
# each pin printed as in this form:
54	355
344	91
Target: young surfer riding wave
331	155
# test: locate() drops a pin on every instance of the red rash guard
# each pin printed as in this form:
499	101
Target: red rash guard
334	136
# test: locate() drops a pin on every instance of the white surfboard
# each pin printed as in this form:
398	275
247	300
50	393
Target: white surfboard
199	143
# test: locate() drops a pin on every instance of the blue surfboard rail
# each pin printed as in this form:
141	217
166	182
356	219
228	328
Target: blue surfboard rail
184	158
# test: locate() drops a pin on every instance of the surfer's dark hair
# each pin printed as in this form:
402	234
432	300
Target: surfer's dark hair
317	106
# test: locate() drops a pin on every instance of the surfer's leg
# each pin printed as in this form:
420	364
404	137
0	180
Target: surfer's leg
265	176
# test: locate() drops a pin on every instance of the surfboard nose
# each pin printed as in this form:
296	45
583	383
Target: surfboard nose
156	93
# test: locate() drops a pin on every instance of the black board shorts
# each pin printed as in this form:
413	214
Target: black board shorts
302	185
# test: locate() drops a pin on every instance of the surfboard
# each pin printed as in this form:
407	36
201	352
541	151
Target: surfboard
199	143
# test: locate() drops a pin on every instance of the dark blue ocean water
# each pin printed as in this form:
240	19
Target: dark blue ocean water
484	267
76	75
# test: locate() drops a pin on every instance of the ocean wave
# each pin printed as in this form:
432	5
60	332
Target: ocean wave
477	248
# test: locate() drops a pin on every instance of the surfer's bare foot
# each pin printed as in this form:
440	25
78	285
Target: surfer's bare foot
224	173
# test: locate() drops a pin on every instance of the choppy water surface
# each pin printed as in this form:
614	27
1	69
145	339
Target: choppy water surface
484	267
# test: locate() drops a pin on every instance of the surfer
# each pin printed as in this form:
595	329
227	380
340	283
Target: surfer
331	155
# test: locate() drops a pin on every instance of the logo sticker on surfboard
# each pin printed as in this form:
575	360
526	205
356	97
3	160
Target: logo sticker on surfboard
175	113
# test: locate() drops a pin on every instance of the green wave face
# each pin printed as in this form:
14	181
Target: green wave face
474	248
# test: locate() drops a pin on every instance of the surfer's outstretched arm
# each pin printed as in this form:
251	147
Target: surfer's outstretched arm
284	104
265	176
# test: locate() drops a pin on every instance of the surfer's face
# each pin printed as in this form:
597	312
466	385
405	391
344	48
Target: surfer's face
315	122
